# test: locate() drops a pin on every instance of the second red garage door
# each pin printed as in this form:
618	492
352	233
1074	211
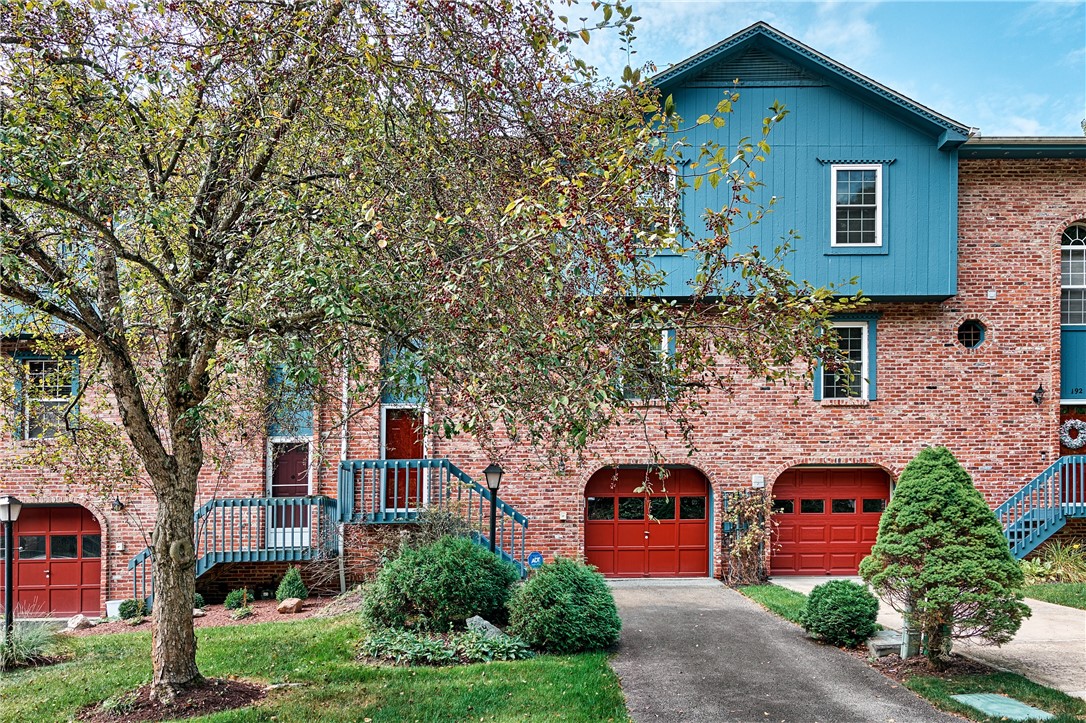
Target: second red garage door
827	519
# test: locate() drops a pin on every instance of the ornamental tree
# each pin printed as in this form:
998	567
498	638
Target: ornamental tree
193	194
942	560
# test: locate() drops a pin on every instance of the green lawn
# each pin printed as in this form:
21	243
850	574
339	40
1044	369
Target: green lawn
938	690
789	604
319	656
1071	594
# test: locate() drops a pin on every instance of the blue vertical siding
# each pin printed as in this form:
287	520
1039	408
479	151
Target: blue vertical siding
1073	362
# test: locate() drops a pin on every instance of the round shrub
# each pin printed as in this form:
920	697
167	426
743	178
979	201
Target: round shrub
198	601
439	586
131	609
841	613
237	599
292	586
565	607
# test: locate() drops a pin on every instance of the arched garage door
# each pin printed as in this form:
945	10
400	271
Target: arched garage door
58	561
638	534
827	519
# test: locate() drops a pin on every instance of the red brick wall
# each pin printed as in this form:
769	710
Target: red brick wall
931	391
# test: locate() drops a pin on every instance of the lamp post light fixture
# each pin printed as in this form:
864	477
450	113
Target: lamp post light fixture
10	508
493	474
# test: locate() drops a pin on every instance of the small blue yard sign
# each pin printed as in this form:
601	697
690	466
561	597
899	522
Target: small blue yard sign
535	560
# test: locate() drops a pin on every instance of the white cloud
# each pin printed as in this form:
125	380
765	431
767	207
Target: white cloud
844	32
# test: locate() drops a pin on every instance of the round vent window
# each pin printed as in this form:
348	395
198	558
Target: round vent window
971	333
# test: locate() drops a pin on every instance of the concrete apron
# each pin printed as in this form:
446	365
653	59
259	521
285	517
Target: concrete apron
1050	647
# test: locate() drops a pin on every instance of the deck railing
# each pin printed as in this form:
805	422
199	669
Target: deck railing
252	529
397	490
1038	510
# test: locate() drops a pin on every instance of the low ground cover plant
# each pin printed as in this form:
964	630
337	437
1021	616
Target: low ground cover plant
437	587
30	644
842	613
405	647
237	599
291	586
565	607
1056	561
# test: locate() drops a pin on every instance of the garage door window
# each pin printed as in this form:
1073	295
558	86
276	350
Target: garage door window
64	547
92	545
31	547
662	508
812	507
631	508
843	506
874	505
692	508
784	507
601	508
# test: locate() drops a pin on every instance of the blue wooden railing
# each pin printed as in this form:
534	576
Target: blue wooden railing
252	529
1041	508
397	490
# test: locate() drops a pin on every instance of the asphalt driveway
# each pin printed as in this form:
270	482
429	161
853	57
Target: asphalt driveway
697	651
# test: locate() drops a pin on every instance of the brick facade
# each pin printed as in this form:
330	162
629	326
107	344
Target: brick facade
931	391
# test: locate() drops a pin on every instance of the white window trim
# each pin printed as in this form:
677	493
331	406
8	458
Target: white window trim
877	168
30	402
865	361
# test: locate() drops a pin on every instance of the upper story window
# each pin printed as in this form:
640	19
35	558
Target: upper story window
46	388
645	364
856	211
1073	275
856	379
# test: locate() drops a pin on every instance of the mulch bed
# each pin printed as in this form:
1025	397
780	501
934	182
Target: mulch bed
213	696
894	667
216	616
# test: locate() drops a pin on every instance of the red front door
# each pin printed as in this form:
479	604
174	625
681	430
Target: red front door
403	440
827	519
662	533
290	478
58	562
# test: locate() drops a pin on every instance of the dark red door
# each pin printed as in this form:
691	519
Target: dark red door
290	478
827	519
403	440
662	533
58	562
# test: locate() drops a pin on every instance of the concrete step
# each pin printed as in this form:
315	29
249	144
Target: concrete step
883	643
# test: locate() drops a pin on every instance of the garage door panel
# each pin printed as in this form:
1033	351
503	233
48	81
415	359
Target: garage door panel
651	535
823	541
33	573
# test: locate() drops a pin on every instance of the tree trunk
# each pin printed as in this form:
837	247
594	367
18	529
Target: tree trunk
173	639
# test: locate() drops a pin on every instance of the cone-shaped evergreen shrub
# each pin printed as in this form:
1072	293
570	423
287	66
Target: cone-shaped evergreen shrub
291	586
439	586
942	560
565	607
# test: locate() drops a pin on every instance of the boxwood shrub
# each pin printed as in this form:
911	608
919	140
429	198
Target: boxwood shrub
439	586
565	607
131	609
237	599
841	613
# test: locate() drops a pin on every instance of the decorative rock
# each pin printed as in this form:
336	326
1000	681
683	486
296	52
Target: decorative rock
290	606
488	629
79	622
198	613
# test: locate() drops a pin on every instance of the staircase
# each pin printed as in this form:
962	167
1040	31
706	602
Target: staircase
1041	508
390	491
300	529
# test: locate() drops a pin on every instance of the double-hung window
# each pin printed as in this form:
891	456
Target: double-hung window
854	377
46	388
646	362
856	210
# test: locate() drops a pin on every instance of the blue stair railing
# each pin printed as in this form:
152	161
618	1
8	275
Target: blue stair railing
1041	508
397	490
252	529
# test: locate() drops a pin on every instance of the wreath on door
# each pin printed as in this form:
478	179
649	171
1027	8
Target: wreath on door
1077	442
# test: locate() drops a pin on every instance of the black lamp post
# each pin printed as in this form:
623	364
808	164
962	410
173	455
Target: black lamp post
493	474
9	513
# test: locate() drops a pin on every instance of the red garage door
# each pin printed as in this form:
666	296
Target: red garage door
638	534
58	563
827	519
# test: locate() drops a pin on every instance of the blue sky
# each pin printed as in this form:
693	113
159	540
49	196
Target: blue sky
1008	68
